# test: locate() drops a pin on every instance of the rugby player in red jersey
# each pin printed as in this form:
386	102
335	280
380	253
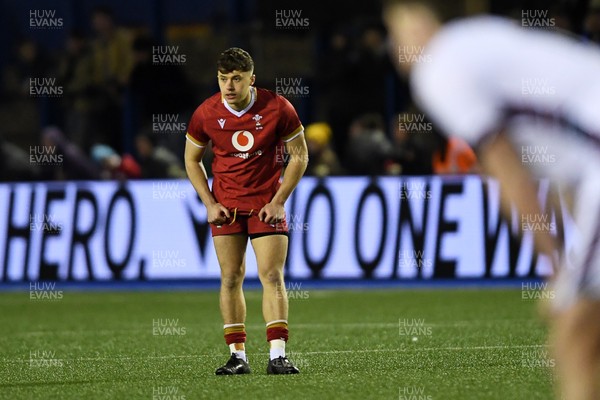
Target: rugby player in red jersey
248	128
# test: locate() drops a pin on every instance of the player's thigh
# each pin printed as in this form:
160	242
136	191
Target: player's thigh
271	251
231	252
582	279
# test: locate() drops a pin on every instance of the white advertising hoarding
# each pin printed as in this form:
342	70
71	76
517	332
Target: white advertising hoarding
383	228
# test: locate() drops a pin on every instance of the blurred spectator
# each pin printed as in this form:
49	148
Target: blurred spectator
356	73
31	62
75	163
75	73
562	17
372	68
70	62
160	90
111	48
411	152
112	60
157	88
368	147
113	166
333	79
20	112
323	160
454	156
15	164
592	22
157	161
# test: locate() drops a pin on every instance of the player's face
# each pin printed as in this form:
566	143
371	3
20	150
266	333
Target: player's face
410	28
235	87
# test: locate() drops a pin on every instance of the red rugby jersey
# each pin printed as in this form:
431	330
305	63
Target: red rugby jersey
248	146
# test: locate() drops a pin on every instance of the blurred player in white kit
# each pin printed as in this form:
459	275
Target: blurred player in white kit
506	90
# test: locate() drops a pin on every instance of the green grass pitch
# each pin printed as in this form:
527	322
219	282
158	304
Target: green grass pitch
349	344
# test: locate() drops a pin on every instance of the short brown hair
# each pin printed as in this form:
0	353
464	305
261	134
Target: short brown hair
443	10
235	59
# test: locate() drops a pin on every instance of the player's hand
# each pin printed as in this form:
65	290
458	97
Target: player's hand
272	213
217	214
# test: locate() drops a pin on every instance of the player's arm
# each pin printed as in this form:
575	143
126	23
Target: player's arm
298	161
499	159
217	213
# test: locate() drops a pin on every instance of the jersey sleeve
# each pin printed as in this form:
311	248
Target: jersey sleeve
195	132
289	125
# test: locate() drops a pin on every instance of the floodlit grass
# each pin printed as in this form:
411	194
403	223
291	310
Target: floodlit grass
349	344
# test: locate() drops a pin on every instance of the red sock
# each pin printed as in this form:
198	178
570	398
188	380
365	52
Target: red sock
235	333
277	330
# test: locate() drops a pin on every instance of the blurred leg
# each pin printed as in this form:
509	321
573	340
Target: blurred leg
576	341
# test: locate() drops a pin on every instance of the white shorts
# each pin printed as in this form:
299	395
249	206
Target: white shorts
580	277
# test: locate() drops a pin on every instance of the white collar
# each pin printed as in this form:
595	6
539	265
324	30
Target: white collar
249	106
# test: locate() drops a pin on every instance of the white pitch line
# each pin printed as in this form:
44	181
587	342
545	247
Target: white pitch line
504	347
295	353
407	322
292	325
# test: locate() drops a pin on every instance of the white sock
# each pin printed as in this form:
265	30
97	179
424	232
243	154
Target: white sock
277	348
238	353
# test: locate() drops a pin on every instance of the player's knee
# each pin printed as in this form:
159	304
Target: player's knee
232	279
271	276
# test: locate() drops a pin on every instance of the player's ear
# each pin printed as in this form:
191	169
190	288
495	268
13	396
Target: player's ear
252	79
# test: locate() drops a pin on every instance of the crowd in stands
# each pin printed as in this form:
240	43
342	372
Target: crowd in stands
113	70
97	77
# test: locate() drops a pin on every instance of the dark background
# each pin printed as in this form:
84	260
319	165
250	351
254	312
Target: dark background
342	56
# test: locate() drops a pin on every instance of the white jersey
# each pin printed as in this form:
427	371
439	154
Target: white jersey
489	66
484	75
